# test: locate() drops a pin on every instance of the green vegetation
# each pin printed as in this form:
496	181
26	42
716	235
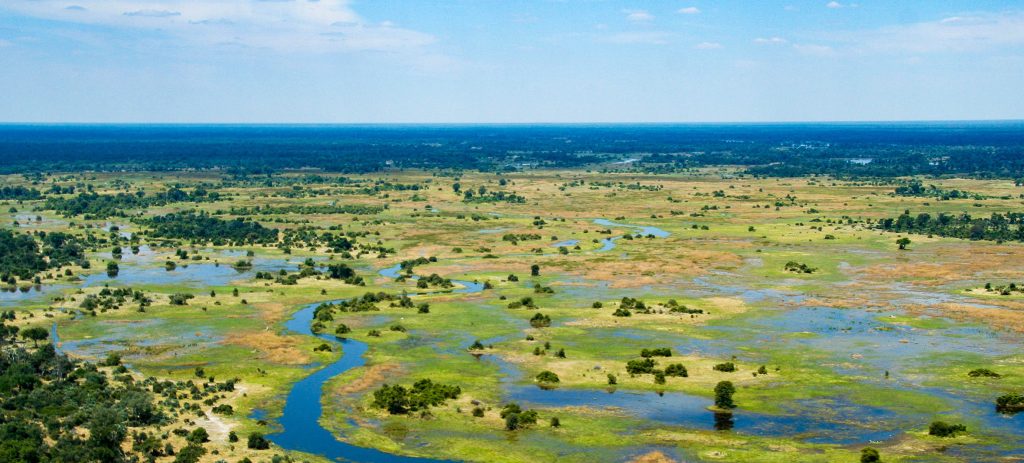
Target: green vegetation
423	394
204	228
778	295
943	429
996	227
1010	403
723	395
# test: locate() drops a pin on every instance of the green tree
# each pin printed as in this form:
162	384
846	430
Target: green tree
903	242
723	395
199	436
36	334
869	455
257	441
547	377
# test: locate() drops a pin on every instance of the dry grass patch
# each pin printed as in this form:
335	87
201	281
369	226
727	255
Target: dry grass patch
272	346
371	376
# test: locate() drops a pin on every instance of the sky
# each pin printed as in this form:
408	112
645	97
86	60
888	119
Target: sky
509	61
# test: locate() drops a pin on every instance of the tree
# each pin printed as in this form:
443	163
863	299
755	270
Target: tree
535	270
540	320
547	377
723	395
36	334
869	455
257	441
943	429
8	332
903	242
112	269
106	432
190	454
199	436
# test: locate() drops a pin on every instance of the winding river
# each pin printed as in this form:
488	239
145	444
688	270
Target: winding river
300	418
303	409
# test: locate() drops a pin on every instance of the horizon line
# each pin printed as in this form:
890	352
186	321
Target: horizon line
536	123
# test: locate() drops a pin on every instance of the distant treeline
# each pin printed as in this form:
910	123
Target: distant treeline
916	188
204	228
94	205
997	227
308	210
985	149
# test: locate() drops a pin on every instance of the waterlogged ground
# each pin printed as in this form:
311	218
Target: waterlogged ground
867	350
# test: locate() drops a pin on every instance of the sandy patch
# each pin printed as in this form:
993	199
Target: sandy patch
271	346
373	375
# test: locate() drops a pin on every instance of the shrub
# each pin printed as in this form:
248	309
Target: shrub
637	367
676	369
727	367
869	455
1010	403
656	352
540	320
257	441
547	377
943	429
983	372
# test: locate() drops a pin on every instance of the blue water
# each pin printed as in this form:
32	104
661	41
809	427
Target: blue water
300	418
692	412
302	410
139	269
608	244
467	287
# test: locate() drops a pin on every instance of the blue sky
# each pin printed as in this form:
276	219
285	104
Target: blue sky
509	61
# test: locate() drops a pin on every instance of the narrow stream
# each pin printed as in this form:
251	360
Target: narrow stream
303	409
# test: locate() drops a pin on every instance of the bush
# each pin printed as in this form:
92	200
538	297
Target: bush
727	367
1010	403
423	394
983	372
199	436
515	417
547	377
656	352
258	442
943	429
869	455
540	320
637	367
676	369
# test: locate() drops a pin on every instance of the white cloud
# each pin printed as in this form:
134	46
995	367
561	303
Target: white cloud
289	26
770	41
643	38
834	5
814	50
967	32
708	46
689	10
638	15
152	13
